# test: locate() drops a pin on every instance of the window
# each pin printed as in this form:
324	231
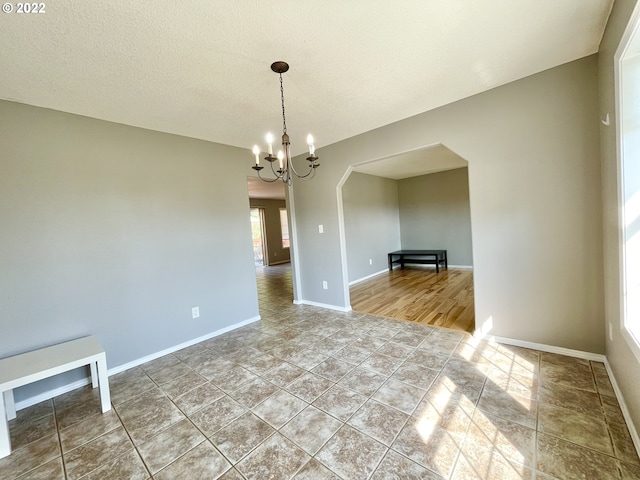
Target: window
284	226
257	233
628	72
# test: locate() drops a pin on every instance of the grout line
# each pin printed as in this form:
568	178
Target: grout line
135	447
55	420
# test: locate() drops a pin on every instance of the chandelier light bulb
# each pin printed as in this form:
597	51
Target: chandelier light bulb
256	152
280	157
269	139
312	148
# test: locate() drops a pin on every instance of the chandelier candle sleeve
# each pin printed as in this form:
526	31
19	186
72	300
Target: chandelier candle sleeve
256	152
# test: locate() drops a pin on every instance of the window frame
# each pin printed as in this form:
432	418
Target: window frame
629	327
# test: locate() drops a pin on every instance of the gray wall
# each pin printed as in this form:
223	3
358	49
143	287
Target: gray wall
435	213
371	222
625	366
273	232
534	183
117	231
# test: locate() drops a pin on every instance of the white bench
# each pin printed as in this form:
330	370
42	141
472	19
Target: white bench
32	366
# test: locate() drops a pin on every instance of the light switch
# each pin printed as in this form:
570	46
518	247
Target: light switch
320	228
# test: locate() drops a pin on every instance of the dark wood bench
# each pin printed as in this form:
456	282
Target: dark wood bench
424	257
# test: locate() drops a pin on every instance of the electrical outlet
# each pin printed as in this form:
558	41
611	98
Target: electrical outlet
195	312
371	261
325	285
320	228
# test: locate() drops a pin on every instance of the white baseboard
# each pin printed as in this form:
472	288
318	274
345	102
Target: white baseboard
623	406
596	357
322	305
368	277
41	397
175	348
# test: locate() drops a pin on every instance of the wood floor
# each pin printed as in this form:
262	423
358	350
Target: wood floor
419	295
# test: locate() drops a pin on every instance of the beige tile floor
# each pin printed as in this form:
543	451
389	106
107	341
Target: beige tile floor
308	393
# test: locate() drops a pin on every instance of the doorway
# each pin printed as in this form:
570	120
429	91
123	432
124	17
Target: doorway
271	244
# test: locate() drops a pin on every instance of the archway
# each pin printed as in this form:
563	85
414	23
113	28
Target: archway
414	200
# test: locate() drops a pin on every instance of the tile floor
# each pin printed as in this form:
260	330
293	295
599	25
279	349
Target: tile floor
308	393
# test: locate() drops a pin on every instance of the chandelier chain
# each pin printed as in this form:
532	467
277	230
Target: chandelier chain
284	120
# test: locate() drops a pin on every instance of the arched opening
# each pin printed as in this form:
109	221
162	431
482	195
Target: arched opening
417	201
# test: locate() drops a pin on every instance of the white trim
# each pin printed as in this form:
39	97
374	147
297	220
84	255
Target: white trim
633	25
175	348
323	305
596	357
342	236
368	277
623	406
27	402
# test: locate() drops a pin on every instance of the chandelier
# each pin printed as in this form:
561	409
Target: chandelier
285	170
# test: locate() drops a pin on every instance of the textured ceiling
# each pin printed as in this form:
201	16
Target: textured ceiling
201	68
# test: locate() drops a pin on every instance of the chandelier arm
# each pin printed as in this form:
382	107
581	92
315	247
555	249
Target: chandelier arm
311	169
309	175
269	180
279	176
